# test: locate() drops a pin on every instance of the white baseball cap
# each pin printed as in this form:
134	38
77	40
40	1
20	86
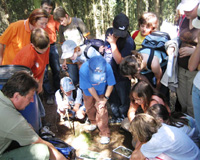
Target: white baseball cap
188	5
68	49
196	21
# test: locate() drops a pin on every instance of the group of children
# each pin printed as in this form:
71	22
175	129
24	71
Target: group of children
100	77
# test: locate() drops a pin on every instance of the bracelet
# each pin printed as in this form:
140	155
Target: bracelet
106	97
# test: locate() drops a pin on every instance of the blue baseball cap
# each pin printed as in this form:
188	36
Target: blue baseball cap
97	69
67	84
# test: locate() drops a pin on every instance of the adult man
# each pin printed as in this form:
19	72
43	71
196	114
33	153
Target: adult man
121	45
96	81
51	28
15	95
71	28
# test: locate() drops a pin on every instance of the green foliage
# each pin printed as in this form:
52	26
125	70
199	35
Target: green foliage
19	9
97	14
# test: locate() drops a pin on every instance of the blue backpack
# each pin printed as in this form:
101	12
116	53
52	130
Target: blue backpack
155	42
68	151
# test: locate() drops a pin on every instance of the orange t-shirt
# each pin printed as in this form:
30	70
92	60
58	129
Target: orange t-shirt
30	58
15	37
51	28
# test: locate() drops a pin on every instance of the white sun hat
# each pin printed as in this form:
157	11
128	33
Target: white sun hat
196	21
188	5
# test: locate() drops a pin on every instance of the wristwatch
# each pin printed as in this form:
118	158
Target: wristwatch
106	97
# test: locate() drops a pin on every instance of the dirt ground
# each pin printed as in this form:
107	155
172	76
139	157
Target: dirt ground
82	140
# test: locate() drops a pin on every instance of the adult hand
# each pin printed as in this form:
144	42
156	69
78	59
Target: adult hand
185	51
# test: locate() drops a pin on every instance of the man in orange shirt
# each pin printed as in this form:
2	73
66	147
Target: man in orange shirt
52	27
17	35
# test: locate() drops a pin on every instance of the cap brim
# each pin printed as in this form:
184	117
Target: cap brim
69	89
119	33
187	6
66	55
97	78
196	23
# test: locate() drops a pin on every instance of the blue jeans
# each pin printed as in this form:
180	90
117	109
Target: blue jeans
119	99
55	68
196	105
73	73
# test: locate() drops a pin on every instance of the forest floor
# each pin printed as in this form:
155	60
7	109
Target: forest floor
83	140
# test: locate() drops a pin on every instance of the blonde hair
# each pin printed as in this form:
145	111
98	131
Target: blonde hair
143	126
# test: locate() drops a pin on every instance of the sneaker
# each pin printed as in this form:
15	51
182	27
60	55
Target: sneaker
91	127
119	120
50	100
112	120
104	140
87	121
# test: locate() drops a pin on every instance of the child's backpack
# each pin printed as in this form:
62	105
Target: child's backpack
68	151
155	42
95	43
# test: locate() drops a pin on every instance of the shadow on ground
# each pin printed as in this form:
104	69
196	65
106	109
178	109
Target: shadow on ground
82	140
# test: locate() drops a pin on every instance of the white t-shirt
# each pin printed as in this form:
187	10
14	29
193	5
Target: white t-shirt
90	53
172	142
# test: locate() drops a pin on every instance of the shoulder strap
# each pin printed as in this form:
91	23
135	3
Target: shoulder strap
135	34
86	51
61	93
78	28
149	61
74	92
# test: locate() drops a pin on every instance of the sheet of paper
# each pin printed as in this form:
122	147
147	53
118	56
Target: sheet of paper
123	151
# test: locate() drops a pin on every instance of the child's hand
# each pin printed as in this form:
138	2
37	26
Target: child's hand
101	48
170	50
64	65
112	39
80	114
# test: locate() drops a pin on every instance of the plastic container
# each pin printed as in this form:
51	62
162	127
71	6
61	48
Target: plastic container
31	112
